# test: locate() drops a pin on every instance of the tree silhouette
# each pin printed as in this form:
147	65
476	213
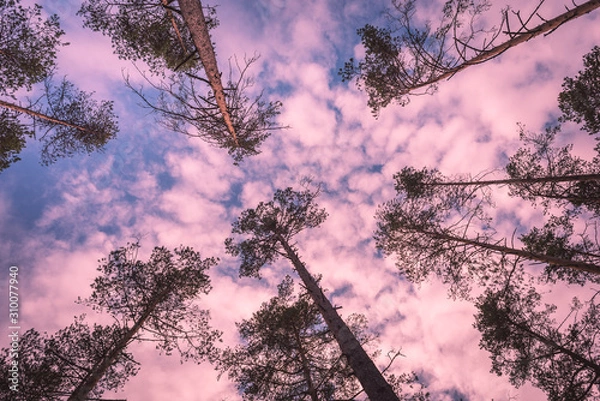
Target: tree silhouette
416	59
13	137
446	231
580	98
151	301
580	185
272	226
50	367
527	344
538	172
175	36
66	120
28	45
182	103
152	32
441	225
288	353
192	13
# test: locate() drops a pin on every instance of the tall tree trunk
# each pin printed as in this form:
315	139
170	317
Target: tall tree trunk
90	381
509	181
536	257
552	344
165	4
193	15
84	388
371	379
587	200
312	391
41	116
486	55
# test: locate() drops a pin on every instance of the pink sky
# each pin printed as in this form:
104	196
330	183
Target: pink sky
59	220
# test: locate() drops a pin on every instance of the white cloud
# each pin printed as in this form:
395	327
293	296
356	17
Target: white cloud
174	190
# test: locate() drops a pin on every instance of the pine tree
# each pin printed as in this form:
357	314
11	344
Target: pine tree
528	344
441	226
66	120
173	38
419	57
51	366
153	299
289	353
580	98
272	226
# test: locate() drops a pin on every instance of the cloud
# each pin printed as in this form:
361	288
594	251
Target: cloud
168	189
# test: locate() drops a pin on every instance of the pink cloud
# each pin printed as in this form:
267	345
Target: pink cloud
466	127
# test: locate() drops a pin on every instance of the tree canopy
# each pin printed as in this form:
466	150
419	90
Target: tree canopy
158	297
527	343
442	225
173	39
52	366
149	301
13	137
271	227
580	184
184	102
580	98
66	120
152	32
288	353
28	46
289	213
410	57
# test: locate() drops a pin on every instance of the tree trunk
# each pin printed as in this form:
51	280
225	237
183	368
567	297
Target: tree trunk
90	381
165	4
312	391
192	13
552	344
573	264
588	201
509	181
95	375
486	55
371	379
41	116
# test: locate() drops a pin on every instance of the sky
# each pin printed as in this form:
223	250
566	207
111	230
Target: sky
168	189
